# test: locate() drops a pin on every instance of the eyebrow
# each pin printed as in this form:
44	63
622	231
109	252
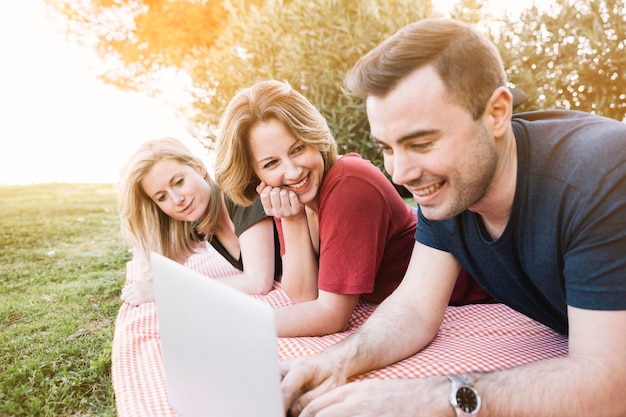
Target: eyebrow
409	136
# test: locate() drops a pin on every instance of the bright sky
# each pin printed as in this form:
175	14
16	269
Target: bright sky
58	122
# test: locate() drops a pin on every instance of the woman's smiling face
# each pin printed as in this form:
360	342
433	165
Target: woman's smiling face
282	160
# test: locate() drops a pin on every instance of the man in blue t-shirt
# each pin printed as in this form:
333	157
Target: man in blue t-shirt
532	205
564	243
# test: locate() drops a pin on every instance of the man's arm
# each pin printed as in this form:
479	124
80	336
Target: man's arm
590	381
403	324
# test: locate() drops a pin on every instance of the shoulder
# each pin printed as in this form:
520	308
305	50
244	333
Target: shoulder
570	146
244	217
352	165
352	174
571	128
353	180
255	209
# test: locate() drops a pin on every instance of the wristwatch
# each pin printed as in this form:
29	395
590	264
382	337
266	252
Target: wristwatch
463	397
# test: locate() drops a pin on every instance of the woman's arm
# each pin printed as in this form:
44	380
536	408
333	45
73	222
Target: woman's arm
300	263
138	288
329	313
257	254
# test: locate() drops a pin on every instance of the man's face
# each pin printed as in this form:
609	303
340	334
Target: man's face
432	146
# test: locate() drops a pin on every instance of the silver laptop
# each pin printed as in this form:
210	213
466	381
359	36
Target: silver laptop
219	346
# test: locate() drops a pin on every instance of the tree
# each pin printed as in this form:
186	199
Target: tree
310	43
571	57
138	40
568	57
313	54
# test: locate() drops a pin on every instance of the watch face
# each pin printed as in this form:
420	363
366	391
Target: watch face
466	399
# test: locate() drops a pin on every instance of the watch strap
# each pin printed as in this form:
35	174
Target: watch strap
458	379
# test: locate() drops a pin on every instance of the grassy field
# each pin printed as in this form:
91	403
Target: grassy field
62	266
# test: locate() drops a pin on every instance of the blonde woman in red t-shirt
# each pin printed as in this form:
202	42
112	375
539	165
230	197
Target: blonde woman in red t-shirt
345	232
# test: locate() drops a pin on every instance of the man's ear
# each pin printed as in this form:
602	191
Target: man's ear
499	110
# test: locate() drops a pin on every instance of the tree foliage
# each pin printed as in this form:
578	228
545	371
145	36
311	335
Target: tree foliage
137	40
573	56
313	54
567	57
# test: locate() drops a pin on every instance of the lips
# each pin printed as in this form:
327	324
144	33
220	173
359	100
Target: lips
299	184
188	208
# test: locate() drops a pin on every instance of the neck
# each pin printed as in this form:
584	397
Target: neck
495	207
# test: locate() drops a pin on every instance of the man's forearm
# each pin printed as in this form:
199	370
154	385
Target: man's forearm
393	333
572	386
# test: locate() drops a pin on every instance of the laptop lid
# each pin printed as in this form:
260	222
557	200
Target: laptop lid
219	346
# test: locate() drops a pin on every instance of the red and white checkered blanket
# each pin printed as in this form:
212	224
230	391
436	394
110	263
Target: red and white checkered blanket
479	337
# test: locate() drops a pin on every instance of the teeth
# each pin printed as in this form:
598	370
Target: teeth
428	191
300	184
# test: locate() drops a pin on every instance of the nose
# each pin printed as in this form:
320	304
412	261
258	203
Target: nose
293	171
178	198
402	168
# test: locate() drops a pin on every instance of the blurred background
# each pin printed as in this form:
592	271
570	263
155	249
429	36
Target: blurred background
83	82
59	122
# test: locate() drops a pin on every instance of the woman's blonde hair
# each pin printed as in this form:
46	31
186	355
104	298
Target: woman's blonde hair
144	225
264	101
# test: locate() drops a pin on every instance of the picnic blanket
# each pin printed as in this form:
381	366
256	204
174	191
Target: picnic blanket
478	337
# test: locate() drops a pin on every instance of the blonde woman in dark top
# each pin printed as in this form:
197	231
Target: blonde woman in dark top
170	205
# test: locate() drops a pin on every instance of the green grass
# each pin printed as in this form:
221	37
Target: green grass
62	263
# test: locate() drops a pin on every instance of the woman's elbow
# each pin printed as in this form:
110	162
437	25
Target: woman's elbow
340	325
266	287
263	285
298	295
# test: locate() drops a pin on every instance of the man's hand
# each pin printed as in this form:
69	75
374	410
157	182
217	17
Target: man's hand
425	397
305	379
279	202
138	293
